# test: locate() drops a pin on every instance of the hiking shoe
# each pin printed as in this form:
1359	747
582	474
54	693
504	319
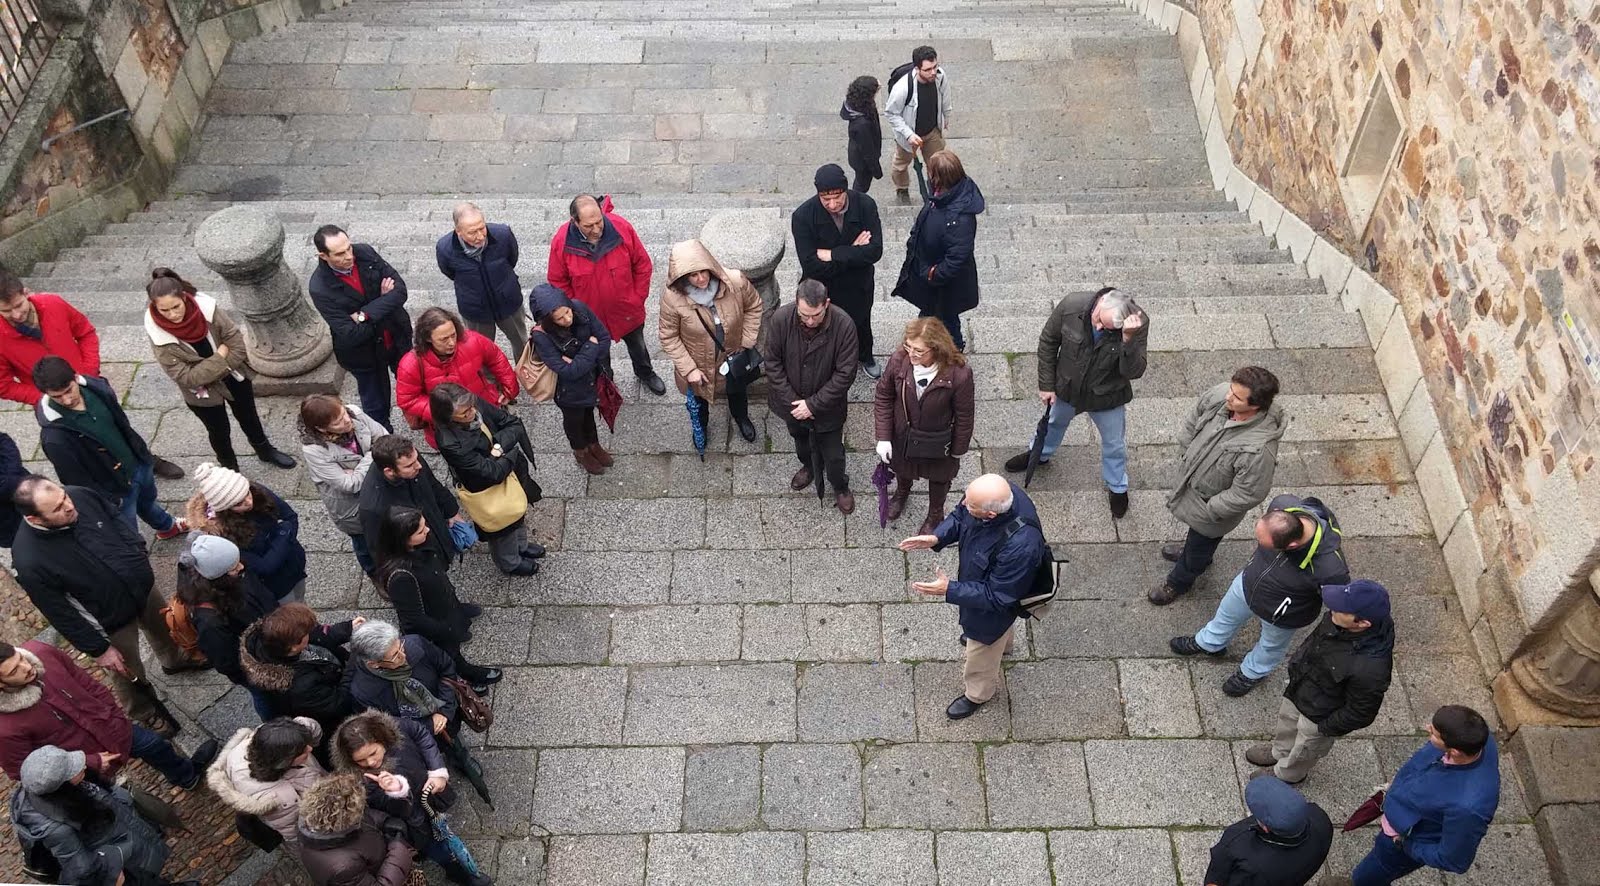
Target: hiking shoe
1018	463
1261	755
1119	504
800	480
1172	553
1164	593
1186	645
1238	685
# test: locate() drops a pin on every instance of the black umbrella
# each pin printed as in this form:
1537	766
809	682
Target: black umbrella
1037	447
922	183
816	460
465	764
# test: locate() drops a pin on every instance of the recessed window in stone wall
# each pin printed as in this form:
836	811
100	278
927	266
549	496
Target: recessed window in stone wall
1372	154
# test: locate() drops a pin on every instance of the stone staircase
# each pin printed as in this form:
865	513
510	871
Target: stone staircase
697	619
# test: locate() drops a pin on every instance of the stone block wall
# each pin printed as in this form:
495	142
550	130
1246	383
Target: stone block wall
1477	265
155	58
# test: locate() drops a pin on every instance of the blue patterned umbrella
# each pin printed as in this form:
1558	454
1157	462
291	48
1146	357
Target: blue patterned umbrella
445	835
696	427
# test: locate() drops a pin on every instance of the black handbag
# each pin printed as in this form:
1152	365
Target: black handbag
743	366
922	443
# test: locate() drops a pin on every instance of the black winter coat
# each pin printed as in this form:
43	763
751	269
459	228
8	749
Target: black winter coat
81	460
412	758
1245	856
575	381
301	686
865	132
386	334
423	492
943	239
849	275
487	288
429	666
219	634
1337	678
425	602
11	473
362	857
817	369
1090	374
1284	588
466	450
99	563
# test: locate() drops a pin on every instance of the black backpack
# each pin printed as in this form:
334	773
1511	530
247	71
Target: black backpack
895	75
1046	574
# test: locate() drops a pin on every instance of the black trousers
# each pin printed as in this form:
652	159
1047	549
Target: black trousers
638	354
738	403
577	422
1198	551
831	445
375	386
220	432
860	311
863	182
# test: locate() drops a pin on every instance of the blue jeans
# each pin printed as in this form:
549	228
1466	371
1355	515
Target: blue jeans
376	393
1113	426
1232	613
258	700
160	754
140	502
358	543
1385	864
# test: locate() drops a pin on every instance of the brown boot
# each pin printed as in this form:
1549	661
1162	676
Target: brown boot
935	517
587	462
600	455
897	501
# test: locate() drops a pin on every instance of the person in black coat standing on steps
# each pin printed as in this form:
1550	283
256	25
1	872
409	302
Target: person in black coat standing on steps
940	275
362	298
838	238
865	129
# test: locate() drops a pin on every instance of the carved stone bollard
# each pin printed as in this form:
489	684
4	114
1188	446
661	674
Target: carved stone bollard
751	241
289	343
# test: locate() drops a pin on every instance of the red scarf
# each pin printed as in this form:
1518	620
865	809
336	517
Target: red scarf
194	325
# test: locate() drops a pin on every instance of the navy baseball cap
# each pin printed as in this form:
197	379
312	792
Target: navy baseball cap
1363	598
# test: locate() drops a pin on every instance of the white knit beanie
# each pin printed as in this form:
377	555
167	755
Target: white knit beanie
220	487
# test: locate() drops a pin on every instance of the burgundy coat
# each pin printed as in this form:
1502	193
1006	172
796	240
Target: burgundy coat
947	403
65	707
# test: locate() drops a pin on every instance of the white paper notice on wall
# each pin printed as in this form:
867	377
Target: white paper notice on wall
1584	340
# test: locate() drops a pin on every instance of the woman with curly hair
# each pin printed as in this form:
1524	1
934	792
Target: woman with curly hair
865	131
344	842
255	518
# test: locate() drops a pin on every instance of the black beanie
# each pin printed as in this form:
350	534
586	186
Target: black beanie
831	178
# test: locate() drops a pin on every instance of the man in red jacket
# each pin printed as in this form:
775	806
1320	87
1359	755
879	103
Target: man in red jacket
45	698
37	325
598	259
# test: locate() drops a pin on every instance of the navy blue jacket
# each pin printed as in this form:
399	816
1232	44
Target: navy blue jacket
575	381
943	238
995	572
1442	811
11	473
487	291
429	666
274	553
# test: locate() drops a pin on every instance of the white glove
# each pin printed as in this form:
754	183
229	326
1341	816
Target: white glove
885	451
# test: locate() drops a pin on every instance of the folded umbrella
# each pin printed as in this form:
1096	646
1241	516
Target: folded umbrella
465	764
816	461
1369	811
446	836
882	476
922	183
610	399
697	428
1038	446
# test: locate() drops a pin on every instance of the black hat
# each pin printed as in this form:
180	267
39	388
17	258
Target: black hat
831	178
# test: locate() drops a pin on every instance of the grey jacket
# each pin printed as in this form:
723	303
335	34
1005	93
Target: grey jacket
900	109
1227	466
125	844
1091	375
338	472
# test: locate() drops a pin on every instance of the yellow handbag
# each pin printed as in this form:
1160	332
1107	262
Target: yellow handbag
497	507
536	378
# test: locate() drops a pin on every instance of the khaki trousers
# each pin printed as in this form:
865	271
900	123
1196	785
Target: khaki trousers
1297	745
932	143
126	641
980	667
514	325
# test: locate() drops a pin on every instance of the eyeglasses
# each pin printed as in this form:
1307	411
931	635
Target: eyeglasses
917	352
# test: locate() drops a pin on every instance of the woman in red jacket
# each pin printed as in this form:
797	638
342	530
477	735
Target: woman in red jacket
446	351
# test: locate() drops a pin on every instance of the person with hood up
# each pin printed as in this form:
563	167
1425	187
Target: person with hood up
95	834
709	316
265	772
864	132
1298	553
344	842
1337	679
569	339
399	760
943	272
599	260
447	352
1230	452
298	664
1282	842
258	520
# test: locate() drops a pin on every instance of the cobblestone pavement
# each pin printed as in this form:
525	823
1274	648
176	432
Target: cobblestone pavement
715	681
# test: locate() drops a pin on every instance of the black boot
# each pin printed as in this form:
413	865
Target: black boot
269	454
455	872
166	470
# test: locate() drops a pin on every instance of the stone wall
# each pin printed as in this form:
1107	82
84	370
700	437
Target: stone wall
157	59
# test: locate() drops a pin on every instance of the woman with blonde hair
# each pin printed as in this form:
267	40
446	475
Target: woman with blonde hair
922	413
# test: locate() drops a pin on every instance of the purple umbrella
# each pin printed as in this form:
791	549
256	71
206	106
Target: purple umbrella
882	476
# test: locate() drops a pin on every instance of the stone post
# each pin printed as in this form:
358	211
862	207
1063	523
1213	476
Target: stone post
289	343
1559	671
751	241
